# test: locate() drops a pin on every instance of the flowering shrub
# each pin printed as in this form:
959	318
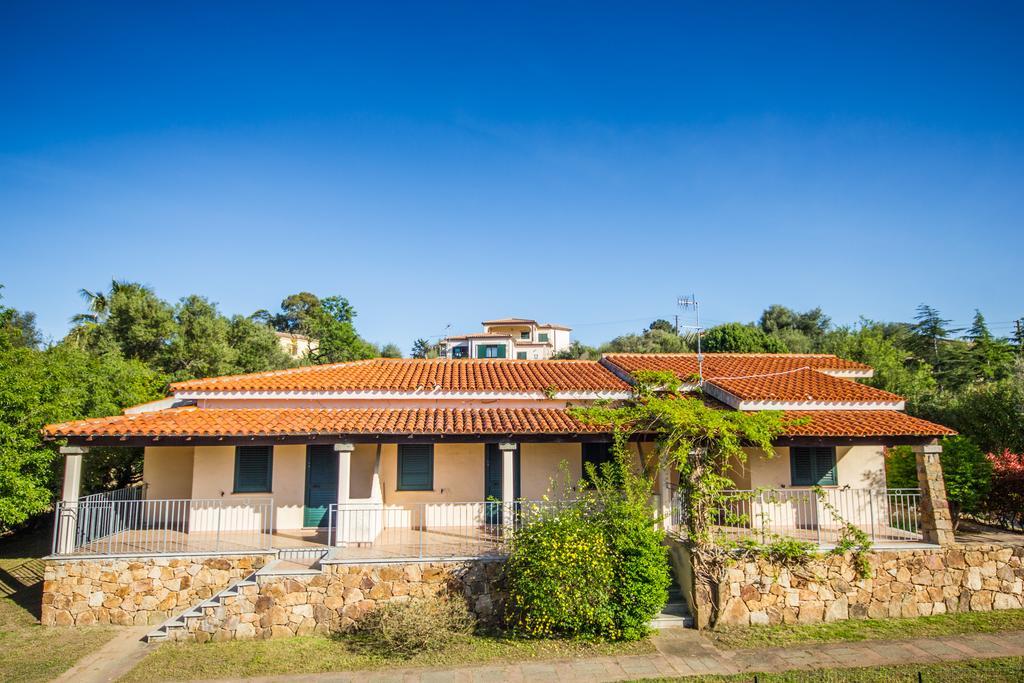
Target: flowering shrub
594	568
1005	504
560	577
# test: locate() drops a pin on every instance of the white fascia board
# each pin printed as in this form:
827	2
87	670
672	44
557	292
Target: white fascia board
717	392
399	395
821	405
857	374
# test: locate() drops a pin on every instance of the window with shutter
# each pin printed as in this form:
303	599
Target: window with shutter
254	467
813	466
520	355
543	336
415	467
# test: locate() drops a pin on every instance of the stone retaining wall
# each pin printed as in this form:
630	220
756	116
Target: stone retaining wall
903	583
337	599
135	591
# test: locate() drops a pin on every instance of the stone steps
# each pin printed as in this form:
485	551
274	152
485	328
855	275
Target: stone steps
290	562
675	613
179	623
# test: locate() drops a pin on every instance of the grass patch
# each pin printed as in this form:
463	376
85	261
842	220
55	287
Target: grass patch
28	651
1002	670
315	654
868	629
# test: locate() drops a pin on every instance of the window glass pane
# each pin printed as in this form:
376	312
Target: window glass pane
521	355
543	336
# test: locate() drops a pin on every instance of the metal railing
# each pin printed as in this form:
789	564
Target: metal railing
127	526
131	492
369	532
885	515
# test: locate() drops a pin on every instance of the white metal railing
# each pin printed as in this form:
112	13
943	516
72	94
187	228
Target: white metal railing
429	530
127	526
132	492
818	516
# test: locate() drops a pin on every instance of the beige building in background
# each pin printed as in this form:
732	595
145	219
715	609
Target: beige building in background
514	338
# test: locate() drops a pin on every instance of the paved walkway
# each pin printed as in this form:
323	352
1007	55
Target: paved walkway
117	657
684	652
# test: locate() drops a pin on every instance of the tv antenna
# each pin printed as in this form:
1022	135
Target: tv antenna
686	302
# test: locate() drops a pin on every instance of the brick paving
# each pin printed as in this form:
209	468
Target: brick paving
685	652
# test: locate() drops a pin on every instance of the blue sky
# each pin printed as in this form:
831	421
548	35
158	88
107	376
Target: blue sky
583	163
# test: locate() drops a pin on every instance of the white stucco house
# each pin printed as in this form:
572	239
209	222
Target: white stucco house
514	338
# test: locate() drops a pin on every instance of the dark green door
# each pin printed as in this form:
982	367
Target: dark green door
493	478
321	484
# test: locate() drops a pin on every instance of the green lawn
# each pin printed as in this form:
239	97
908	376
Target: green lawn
1005	670
314	654
868	629
29	652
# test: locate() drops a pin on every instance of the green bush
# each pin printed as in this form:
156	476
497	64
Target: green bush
418	625
965	469
596	568
640	577
560	577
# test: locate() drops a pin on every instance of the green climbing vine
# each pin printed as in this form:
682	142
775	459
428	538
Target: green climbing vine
702	442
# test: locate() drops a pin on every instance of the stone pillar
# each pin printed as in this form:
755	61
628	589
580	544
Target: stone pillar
68	510
936	522
343	524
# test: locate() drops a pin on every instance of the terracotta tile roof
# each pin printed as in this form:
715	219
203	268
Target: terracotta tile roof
192	421
684	365
840	423
450	375
223	422
803	385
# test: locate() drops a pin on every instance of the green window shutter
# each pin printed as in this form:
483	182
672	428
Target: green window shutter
825	466
254	466
415	467
520	355
814	466
524	335
501	350
543	336
481	352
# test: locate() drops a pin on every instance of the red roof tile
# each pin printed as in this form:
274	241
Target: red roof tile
802	385
217	422
192	421
449	375
684	365
842	423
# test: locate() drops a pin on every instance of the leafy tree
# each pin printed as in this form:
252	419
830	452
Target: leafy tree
776	319
991	415
663	325
883	348
337	338
930	335
390	351
740	338
128	320
655	339
965	468
987	358
256	347
422	348
578	351
55	385
18	328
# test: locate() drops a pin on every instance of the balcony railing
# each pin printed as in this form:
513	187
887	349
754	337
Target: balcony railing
818	516
134	526
375	532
